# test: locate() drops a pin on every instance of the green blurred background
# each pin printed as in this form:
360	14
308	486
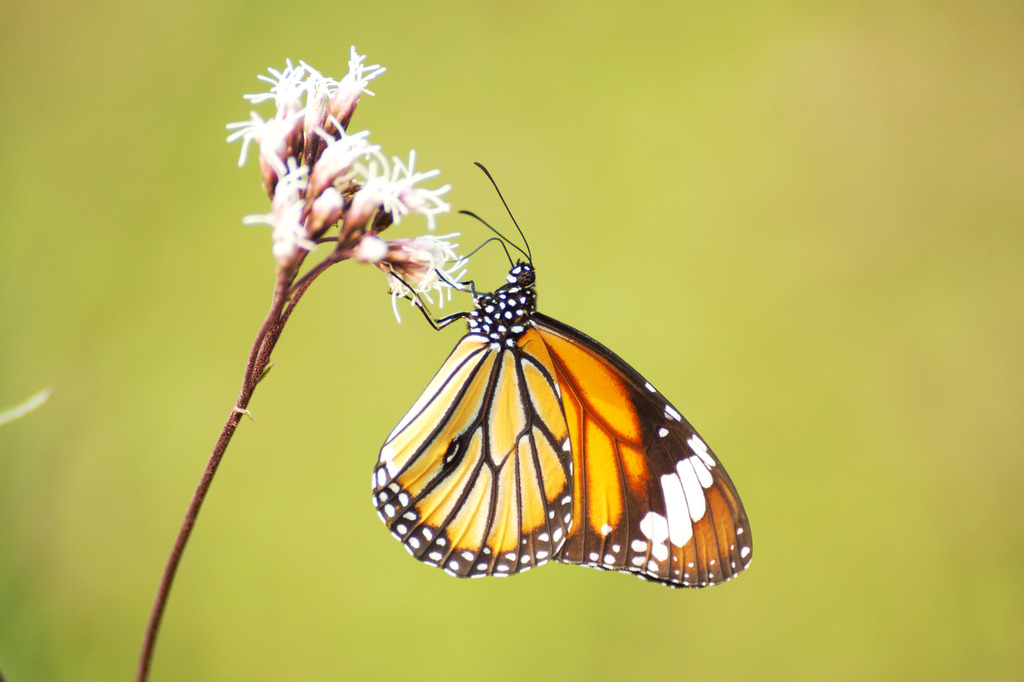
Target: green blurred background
803	222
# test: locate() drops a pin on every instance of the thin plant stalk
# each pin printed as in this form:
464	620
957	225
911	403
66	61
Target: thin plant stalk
255	367
318	177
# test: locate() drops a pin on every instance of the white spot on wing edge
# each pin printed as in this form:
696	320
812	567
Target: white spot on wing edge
703	475
679	529
692	488
672	413
700	449
655	527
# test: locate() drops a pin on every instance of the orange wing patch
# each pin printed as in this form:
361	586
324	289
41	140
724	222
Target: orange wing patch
649	497
597	386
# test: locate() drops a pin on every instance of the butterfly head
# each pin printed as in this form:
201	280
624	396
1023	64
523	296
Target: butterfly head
503	316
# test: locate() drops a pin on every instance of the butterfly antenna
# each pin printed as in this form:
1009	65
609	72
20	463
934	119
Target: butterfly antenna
528	255
502	239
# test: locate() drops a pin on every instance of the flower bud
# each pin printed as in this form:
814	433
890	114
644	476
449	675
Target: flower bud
371	249
346	96
327	209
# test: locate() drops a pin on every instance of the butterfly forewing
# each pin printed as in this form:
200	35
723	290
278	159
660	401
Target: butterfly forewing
650	497
473	479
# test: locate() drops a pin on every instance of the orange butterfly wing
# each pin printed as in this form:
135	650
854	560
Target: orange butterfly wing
649	496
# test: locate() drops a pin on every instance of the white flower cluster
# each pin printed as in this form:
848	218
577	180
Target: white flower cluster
319	175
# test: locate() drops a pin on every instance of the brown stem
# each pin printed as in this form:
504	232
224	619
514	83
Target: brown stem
259	358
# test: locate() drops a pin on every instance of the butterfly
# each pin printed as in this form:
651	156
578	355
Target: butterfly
534	443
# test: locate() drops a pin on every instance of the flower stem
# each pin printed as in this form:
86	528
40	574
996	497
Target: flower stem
259	359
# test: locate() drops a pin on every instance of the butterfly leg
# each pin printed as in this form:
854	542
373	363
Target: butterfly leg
437	323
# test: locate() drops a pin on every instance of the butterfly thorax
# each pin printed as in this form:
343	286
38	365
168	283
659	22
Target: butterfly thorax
503	315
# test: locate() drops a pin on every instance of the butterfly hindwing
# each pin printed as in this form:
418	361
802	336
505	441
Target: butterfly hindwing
474	479
650	497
